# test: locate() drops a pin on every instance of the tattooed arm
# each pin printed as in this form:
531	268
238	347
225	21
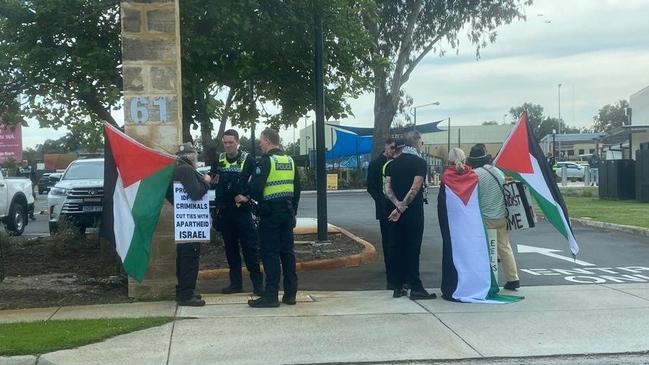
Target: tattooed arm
417	183
389	193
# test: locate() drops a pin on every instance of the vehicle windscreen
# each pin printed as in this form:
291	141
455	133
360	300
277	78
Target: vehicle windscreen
86	170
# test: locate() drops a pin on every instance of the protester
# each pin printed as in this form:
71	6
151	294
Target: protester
276	185
593	163
187	253
234	219
375	172
494	211
404	188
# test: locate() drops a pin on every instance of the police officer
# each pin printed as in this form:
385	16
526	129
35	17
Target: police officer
234	218
405	178
187	253
276	185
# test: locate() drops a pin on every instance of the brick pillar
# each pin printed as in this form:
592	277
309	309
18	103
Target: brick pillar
152	114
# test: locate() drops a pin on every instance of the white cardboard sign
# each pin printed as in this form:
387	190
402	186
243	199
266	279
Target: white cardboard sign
191	217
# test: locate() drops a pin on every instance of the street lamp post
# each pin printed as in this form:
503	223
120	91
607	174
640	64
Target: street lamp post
559	99
420	106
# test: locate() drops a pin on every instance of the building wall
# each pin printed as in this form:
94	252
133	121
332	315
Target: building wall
307	140
465	137
639	103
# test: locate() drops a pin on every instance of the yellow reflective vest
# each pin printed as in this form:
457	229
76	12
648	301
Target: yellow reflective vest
279	184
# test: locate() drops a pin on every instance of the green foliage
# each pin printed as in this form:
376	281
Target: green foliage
10	166
62	58
404	32
32	338
611	116
627	212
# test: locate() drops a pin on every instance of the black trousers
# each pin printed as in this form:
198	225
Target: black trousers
240	237
277	248
404	248
385	243
187	255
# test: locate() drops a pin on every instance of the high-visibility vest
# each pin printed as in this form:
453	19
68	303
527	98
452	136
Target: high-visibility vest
383	177
232	167
279	184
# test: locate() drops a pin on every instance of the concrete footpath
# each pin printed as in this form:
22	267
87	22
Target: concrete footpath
367	326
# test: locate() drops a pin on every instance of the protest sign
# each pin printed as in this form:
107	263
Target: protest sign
517	199
191	217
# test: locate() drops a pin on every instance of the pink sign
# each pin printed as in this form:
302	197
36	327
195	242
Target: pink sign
11	142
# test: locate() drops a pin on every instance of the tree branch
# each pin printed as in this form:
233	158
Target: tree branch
404	51
428	48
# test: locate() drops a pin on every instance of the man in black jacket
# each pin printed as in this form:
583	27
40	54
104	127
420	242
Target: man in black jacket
187	253
235	168
276	186
375	187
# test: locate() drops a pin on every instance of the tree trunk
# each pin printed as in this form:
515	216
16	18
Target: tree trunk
224	115
384	113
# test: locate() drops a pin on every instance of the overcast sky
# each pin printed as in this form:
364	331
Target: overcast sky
597	49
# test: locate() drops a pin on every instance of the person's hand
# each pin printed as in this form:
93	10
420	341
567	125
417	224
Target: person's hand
394	216
207	179
241	199
401	207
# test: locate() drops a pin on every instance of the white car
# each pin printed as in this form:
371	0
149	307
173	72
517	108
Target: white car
573	170
78	196
16	203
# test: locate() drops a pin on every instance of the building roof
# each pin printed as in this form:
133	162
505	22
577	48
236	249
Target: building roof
574	137
470	134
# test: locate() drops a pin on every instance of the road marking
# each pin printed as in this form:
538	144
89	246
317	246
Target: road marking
550	253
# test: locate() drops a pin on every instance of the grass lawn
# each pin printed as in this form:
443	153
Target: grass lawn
627	212
31	338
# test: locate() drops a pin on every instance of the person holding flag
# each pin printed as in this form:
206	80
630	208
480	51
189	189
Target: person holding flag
188	253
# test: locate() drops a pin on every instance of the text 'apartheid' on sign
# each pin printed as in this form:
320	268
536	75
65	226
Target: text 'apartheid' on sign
191	217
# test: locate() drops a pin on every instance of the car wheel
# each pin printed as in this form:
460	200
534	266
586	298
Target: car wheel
17	219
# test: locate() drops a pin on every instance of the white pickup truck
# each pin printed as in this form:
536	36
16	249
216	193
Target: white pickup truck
16	203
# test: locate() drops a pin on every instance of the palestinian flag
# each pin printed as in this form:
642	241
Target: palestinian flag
522	158
468	268
136	179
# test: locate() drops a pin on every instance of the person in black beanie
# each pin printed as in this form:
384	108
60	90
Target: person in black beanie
187	253
494	212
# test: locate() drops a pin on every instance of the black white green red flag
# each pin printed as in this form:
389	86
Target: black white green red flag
522	158
136	179
468	268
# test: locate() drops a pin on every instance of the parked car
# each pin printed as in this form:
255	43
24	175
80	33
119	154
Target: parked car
573	171
44	183
78	197
16	203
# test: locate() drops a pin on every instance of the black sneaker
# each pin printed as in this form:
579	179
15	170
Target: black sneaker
288	299
192	302
421	294
264	302
512	285
398	293
230	289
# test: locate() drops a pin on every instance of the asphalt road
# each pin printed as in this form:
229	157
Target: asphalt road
605	257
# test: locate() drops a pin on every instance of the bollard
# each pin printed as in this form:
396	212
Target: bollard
564	175
586	175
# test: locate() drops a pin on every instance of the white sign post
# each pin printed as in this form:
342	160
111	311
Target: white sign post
191	217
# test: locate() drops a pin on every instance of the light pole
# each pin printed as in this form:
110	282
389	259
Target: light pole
559	99
420	106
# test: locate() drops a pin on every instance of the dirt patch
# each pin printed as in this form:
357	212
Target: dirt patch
54	271
72	270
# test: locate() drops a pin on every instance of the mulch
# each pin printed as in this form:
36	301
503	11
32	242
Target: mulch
70	270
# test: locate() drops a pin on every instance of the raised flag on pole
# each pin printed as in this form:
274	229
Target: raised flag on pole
522	158
136	179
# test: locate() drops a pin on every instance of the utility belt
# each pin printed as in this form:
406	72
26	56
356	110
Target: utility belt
269	207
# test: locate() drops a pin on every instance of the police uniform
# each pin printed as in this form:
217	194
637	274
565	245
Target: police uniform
235	220
276	186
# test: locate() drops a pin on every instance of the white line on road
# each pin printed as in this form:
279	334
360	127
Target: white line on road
550	253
